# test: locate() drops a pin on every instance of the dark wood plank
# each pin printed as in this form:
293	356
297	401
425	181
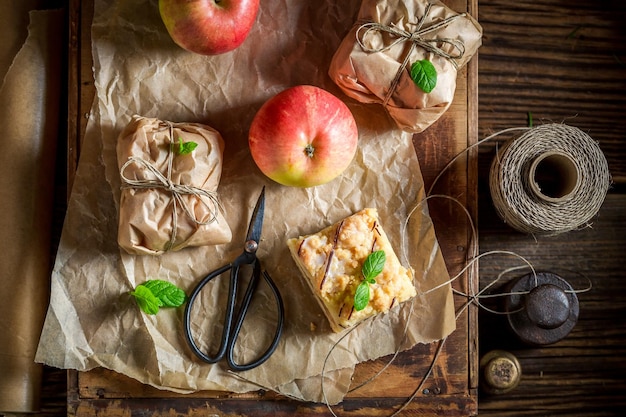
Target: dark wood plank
559	60
562	61
81	88
582	374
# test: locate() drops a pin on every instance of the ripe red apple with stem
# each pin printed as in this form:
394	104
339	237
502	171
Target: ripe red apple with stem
304	136
209	27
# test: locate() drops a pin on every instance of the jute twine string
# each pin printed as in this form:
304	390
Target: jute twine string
473	296
416	38
177	191
522	208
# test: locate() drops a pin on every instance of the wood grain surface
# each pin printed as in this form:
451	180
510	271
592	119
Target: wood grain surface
562	61
559	61
453	383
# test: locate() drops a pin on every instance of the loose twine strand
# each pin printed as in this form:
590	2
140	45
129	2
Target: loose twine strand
472	296
416	38
178	191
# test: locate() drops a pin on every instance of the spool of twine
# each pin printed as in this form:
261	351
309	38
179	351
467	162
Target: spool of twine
551	179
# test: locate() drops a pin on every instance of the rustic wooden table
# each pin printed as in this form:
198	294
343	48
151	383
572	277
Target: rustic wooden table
453	382
559	61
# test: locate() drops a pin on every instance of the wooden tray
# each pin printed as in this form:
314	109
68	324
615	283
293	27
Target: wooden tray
451	389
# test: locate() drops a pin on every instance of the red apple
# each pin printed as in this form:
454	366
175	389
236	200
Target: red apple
303	136
208	27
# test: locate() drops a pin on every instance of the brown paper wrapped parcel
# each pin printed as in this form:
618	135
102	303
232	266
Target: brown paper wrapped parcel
373	62
169	201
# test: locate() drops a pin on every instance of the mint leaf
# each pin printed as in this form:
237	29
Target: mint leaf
185	148
424	74
156	293
168	294
373	265
362	296
146	301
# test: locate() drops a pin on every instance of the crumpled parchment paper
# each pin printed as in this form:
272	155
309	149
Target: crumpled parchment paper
139	70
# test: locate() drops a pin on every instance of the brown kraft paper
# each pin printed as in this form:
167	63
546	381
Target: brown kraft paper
92	321
29	116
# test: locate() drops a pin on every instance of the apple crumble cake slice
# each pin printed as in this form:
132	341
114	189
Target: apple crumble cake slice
331	262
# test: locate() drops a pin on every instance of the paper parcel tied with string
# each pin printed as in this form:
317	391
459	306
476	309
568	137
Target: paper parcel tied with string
405	55
169	196
93	322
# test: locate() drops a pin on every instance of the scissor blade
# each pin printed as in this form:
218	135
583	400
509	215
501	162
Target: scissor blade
256	222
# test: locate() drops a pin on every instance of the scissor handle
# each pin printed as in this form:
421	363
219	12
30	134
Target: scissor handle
232	329
242	314
230	307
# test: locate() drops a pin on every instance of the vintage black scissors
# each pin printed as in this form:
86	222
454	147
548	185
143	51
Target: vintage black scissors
232	324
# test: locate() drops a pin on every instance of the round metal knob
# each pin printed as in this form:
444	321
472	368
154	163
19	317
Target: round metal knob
546	313
547	306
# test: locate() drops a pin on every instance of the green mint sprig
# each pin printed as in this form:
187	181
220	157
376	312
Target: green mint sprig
156	293
185	148
424	75
372	267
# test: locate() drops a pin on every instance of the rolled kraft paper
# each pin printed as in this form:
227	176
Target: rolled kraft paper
13	30
29	117
550	180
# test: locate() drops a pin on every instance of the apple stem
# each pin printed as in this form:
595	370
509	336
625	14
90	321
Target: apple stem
309	150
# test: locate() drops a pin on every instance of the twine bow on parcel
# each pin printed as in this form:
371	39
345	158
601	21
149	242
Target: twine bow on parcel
416	38
164	182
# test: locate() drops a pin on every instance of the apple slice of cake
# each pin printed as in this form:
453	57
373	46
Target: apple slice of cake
331	262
